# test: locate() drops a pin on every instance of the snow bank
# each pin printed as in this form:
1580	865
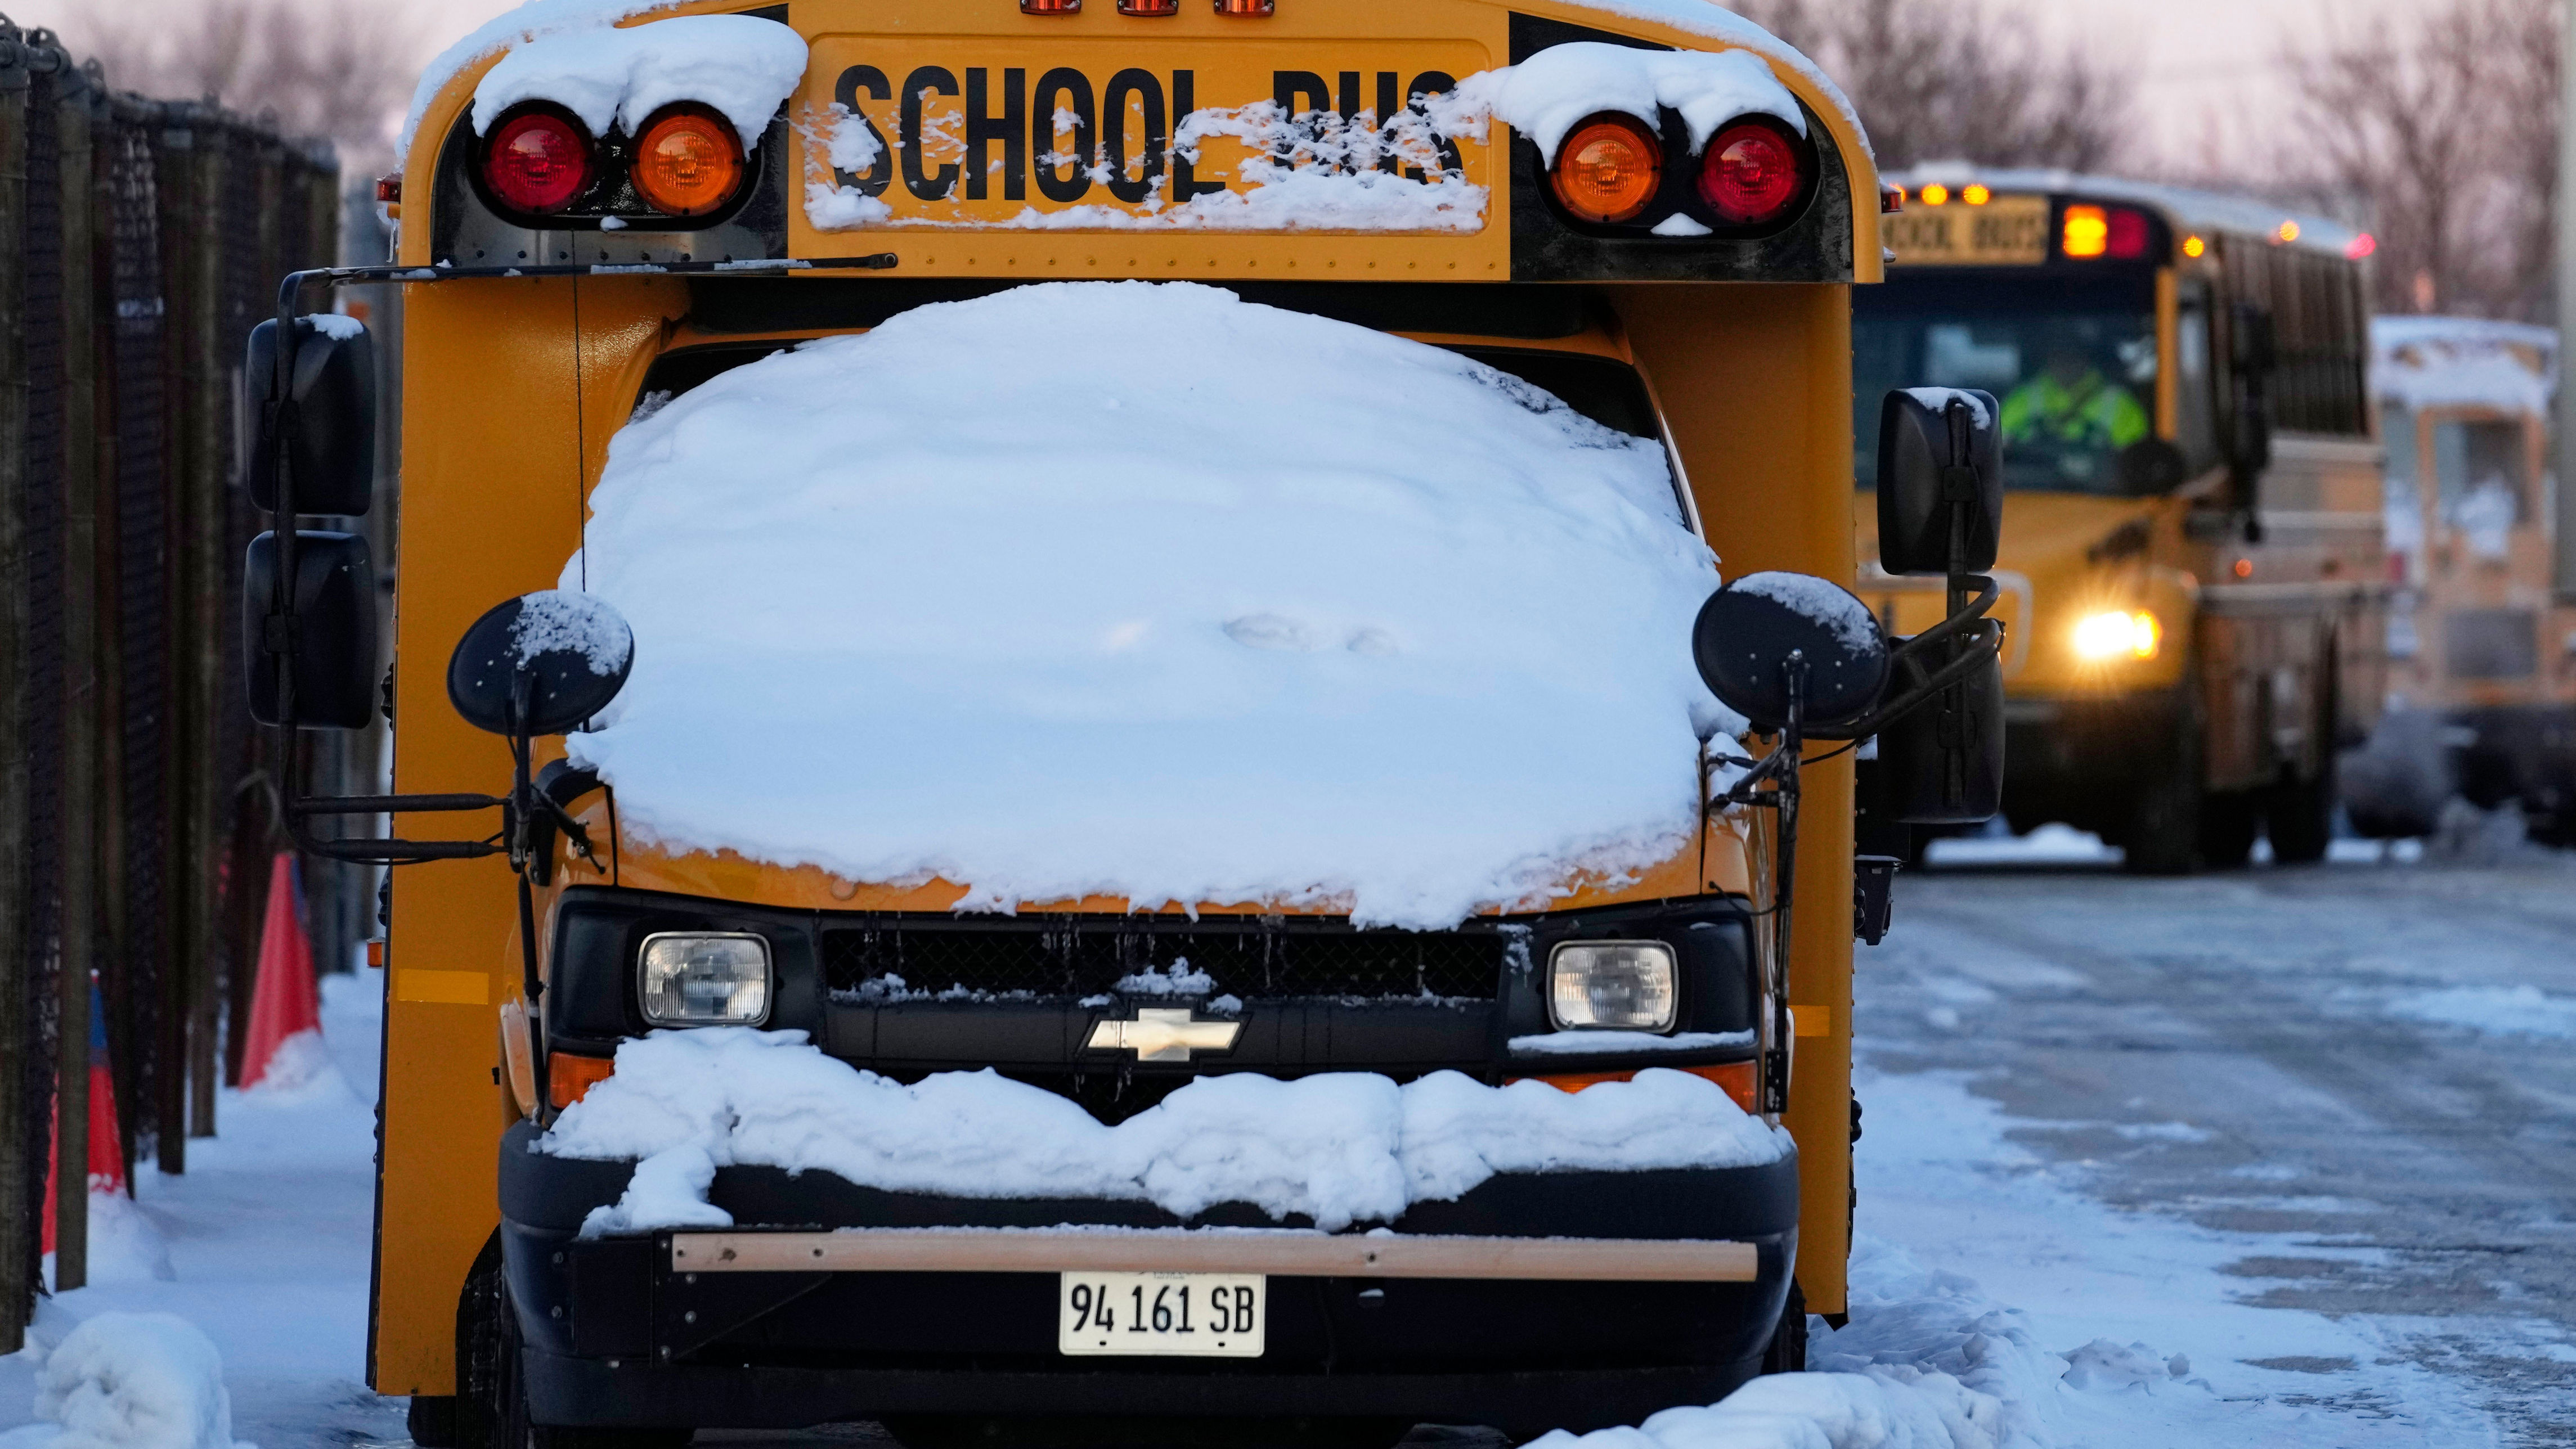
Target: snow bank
741	67
131	1381
1545	96
2523	1010
1339	1148
1927	1362
1146	591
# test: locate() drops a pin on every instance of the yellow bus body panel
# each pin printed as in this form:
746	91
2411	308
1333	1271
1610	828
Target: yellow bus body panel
516	386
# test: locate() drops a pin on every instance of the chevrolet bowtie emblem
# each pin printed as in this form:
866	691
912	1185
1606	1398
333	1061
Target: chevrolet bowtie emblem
1163	1034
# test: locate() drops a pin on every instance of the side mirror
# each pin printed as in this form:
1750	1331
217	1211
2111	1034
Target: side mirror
540	664
1940	481
325	420
334	607
1755	634
1943	762
2151	466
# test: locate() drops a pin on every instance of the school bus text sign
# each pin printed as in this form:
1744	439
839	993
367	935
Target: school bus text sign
987	134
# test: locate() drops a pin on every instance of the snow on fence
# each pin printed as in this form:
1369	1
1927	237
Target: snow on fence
139	242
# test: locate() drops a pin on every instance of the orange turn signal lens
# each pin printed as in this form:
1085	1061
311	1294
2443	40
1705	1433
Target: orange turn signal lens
569	1077
1608	169
688	163
2088	231
1738	1078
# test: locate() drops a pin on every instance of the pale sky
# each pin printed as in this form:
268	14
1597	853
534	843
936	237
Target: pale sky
2207	78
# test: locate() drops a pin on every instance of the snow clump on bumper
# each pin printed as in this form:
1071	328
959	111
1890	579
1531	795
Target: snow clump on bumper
1339	1148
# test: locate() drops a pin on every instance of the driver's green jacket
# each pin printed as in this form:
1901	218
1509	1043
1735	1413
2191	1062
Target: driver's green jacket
2094	413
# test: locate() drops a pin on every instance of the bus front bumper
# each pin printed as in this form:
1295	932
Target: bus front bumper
632	1331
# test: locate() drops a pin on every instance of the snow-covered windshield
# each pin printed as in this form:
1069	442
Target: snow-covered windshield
2072	361
1146	591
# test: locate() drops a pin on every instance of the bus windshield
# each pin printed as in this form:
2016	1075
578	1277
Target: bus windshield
2074	366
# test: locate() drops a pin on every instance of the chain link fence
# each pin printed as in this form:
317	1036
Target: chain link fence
140	240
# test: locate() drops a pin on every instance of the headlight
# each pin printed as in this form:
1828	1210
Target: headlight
2119	634
1621	984
704	978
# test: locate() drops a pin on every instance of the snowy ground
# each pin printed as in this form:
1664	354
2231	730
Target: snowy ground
267	1239
2279	1157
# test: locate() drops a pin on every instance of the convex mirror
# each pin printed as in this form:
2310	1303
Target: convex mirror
334	607
560	655
1751	633
325	421
1940	481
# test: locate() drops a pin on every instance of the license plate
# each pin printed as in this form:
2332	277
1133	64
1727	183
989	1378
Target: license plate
1199	1315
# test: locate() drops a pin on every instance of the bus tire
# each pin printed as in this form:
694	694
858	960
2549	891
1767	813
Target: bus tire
2228	822
491	1399
2299	816
1787	1351
2164	827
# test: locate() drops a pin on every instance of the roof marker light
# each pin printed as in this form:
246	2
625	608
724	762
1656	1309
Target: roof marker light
1936	194
2360	246
1251	8
2088	231
2193	246
1975	194
1149	7
2287	231
1050	7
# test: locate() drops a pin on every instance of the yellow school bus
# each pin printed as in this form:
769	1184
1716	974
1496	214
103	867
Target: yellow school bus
604	232
2191	571
2475	639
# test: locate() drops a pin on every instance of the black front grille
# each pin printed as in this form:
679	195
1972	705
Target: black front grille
1059	956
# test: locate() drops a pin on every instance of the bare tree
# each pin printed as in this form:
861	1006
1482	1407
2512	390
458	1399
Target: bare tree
1961	81
340	71
2439	131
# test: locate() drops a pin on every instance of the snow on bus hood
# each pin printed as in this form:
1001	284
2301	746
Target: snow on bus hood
1140	590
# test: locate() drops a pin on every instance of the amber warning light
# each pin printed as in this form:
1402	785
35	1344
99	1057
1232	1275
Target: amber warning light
688	163
2104	231
1608	169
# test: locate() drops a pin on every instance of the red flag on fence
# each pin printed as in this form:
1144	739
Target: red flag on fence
106	1149
284	1000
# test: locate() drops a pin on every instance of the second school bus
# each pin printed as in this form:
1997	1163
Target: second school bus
2191	567
576	257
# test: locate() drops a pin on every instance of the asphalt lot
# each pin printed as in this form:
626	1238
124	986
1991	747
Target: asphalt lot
2369	1067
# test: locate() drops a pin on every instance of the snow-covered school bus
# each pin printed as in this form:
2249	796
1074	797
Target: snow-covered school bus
2193	569
1113	795
2476	642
